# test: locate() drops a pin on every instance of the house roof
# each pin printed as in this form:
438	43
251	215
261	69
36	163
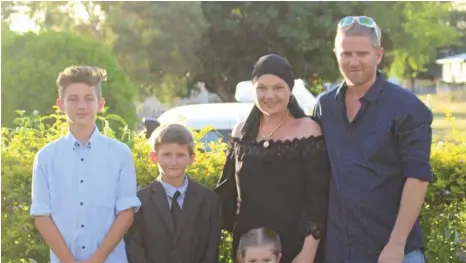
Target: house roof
458	57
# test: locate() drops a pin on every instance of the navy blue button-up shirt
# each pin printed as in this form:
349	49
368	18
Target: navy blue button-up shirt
371	157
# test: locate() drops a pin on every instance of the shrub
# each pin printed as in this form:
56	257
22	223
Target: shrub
444	215
20	240
443	219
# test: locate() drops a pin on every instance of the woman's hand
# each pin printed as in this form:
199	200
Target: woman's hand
304	257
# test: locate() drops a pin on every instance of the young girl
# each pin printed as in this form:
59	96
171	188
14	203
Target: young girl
259	245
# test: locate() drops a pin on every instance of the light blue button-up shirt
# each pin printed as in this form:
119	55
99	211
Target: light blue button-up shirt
170	190
83	187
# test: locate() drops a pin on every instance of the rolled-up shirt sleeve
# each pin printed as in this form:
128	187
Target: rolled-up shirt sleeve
415	140
126	197
40	205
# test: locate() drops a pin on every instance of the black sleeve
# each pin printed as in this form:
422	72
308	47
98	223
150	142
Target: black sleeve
317	183
134	239
215	232
226	189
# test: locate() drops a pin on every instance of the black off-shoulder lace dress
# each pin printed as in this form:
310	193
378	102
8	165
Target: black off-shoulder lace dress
283	187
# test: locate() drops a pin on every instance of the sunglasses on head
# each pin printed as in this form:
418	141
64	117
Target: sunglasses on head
362	20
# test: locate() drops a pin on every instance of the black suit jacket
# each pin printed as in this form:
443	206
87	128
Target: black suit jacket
153	239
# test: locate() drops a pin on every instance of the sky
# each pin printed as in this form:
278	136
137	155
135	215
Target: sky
20	21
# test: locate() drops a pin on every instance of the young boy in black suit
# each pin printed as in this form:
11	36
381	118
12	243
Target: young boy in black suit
179	219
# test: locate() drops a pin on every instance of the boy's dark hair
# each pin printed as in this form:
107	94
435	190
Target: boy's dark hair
172	133
92	76
259	237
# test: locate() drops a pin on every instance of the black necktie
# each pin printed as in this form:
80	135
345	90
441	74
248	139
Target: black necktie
175	209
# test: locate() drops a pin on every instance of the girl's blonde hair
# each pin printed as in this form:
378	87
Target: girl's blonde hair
259	237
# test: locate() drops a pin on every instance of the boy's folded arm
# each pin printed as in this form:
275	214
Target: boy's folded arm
53	238
134	240
212	251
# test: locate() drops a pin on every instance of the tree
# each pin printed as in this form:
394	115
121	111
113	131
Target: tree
82	17
8	8
30	67
421	30
240	32
166	47
303	32
457	18
156	42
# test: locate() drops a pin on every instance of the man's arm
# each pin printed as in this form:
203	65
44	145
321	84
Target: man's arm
127	203
414	143
411	203
212	251
40	210
414	135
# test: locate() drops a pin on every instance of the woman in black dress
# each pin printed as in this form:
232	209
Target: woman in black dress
277	168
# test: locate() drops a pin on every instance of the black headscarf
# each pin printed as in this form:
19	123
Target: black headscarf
277	66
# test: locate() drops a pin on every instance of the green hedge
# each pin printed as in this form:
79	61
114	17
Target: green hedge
443	216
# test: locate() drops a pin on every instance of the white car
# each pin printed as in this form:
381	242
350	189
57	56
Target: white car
222	116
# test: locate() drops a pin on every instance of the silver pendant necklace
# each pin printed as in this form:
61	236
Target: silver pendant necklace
266	138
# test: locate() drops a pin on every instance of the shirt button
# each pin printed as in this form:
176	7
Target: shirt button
83	247
82	181
82	226
82	159
81	203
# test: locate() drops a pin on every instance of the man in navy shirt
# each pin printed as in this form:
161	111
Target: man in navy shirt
378	137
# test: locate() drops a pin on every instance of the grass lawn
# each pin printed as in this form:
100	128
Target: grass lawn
442	125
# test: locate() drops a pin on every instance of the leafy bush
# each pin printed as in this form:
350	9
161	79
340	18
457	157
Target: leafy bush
20	240
30	67
443	217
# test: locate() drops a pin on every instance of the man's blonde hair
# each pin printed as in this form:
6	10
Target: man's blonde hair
172	133
375	34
